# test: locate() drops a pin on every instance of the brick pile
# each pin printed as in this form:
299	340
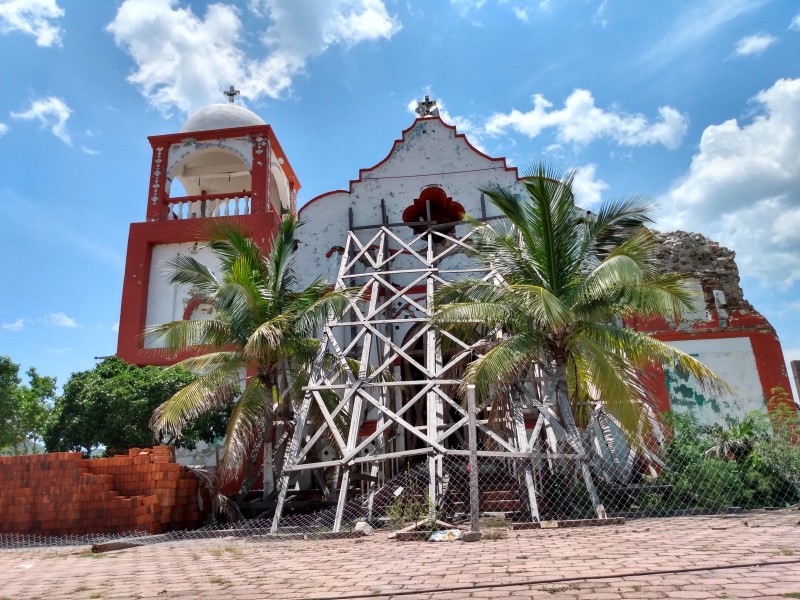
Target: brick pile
64	494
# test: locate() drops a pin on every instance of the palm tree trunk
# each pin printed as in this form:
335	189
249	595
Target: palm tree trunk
269	427
571	427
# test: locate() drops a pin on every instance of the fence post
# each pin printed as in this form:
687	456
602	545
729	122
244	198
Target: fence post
474	508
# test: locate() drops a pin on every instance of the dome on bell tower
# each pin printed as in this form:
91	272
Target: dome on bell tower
225	115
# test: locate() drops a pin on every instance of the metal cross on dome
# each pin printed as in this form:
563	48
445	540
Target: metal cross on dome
427	108
231	93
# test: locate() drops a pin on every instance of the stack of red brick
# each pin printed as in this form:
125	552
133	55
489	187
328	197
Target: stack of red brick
62	493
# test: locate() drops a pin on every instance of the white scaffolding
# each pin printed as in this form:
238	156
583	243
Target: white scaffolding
392	277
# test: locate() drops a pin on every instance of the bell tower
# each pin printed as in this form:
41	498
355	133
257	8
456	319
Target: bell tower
225	163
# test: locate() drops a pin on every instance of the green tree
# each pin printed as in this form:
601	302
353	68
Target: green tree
111	404
24	408
262	328
566	279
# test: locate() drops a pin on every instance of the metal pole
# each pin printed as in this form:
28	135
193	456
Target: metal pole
474	508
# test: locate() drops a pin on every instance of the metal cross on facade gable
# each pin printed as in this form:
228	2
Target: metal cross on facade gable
231	93
427	108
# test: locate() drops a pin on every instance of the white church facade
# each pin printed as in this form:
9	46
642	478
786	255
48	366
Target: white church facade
396	234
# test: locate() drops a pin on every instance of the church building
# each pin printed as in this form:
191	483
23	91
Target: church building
396	234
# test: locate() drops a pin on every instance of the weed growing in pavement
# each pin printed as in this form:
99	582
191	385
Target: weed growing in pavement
96	596
80	588
223	581
494	522
494	534
555	590
788	551
791	595
90	554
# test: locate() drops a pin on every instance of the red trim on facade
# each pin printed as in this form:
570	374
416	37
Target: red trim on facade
192	304
169	139
142	238
368	428
767	351
363	172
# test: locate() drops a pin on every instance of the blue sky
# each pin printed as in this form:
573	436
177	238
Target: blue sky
696	104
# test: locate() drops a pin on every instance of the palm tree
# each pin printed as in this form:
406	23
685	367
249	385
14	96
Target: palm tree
262	331
565	280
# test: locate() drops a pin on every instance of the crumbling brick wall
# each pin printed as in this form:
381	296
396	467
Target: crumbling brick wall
707	261
64	494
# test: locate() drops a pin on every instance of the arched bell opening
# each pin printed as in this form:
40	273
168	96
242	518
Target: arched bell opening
212	182
279	192
212	171
433	208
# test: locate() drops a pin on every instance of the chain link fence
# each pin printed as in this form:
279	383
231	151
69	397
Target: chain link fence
682	469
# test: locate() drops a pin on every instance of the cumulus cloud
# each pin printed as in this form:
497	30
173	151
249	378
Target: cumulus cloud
581	122
754	44
587	188
14	325
32	17
59	319
3	129
183	60
795	24
743	187
51	112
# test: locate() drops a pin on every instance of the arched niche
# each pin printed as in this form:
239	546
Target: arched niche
279	193
214	170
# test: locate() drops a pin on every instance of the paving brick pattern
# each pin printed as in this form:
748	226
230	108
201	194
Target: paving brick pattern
647	558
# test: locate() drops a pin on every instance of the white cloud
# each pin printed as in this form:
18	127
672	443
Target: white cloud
14	325
3	129
115	327
581	122
521	9
790	354
754	44
743	187
89	151
521	13
184	60
694	26
63	350
599	17
587	188
467	6
795	24
51	112
59	319
33	17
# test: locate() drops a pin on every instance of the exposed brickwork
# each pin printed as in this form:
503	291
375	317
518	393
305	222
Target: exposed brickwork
62	493
704	259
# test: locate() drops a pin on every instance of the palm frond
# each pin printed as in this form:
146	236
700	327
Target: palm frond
211	390
246	418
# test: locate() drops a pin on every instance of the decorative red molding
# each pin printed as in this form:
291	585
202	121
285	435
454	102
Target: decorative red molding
141	239
363	172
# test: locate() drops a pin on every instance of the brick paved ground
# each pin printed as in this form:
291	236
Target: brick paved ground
747	556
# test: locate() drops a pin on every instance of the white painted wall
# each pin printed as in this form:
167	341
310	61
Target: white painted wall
165	302
731	359
429	154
